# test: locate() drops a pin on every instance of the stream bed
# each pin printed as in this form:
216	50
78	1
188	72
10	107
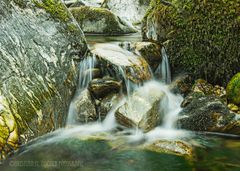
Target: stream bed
106	147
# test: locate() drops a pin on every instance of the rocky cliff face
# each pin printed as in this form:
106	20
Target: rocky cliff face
40	47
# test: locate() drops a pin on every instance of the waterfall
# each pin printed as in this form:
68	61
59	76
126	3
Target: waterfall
163	69
169	105
85	76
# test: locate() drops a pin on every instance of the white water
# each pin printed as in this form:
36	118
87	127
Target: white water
170	105
85	76
164	68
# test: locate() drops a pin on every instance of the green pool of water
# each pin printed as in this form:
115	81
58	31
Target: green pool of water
210	154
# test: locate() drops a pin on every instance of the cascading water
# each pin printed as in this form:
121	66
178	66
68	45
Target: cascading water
170	105
163	69
85	76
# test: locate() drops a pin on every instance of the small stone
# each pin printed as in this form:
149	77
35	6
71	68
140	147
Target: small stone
102	87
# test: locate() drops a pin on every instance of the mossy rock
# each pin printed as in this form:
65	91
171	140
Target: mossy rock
100	21
233	89
202	37
41	46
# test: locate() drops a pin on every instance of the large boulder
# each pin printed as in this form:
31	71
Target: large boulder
199	36
97	20
233	89
142	109
130	10
39	48
113	58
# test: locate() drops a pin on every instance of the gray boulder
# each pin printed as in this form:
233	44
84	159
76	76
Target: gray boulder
130	10
39	48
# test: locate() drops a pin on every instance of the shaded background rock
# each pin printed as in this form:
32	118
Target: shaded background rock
38	47
96	20
130	10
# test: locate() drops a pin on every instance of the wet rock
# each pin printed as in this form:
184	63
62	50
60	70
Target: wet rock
173	147
204	113
115	59
102	87
130	10
39	45
182	85
233	89
96	73
100	21
233	127
150	51
142	110
107	103
85	108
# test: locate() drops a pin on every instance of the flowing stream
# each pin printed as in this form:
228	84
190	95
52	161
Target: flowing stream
101	145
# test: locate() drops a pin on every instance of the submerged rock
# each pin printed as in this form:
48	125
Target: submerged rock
233	89
96	20
85	107
115	59
150	51
40	43
102	87
142	109
173	147
204	113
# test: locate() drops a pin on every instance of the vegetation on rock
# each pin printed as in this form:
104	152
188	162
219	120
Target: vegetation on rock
233	89
202	37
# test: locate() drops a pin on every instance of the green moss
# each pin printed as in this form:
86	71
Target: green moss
85	13
203	37
55	8
233	89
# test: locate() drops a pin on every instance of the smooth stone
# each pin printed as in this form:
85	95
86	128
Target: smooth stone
141	110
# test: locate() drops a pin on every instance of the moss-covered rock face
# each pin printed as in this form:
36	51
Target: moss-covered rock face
202	37
233	89
39	48
100	21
